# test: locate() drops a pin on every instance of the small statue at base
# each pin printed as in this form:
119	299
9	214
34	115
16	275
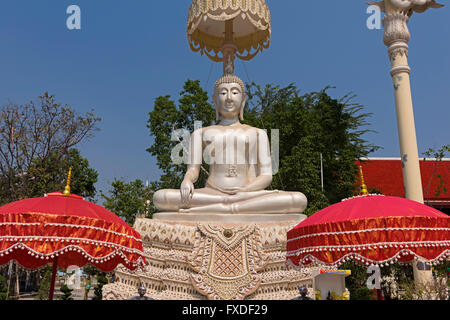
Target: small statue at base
141	291
303	294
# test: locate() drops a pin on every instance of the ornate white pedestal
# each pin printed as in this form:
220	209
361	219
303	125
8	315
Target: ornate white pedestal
193	257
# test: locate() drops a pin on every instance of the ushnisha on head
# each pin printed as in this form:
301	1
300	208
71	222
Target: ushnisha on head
229	90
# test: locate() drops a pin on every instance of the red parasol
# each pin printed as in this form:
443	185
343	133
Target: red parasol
66	230
371	229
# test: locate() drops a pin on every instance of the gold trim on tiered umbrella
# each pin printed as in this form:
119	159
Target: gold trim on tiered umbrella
251	27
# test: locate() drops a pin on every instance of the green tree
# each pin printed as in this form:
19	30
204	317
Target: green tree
101	281
356	283
67	293
3	287
438	155
34	141
53	177
396	277
166	117
128	200
44	288
309	125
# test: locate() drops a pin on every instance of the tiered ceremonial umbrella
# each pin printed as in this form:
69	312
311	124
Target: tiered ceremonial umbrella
66	230
227	29
370	229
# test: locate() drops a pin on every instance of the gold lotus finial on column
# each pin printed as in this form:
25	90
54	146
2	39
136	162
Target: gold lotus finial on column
67	188
363	185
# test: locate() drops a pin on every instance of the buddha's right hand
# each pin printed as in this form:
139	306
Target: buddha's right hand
187	191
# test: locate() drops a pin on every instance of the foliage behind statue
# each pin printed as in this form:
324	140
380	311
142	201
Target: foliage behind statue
309	124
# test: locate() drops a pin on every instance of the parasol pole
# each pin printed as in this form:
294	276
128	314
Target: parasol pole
52	284
17	281
55	262
228	49
365	192
9	278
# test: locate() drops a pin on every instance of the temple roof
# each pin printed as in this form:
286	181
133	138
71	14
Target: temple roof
385	175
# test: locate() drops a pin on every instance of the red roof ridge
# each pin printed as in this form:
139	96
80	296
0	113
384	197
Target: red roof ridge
398	158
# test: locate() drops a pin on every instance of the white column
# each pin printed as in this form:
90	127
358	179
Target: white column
396	38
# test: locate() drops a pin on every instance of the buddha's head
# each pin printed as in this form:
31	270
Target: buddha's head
229	97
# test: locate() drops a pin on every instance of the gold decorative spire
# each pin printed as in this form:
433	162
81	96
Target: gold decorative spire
363	185
67	188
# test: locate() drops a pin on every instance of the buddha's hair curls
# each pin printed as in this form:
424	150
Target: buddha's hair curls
229	78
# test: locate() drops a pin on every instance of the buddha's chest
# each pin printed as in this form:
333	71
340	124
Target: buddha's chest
230	146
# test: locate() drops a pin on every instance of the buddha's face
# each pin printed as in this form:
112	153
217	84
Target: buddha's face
229	100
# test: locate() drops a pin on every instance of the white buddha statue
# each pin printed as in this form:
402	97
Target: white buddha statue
240	165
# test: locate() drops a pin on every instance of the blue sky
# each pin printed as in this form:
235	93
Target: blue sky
129	52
